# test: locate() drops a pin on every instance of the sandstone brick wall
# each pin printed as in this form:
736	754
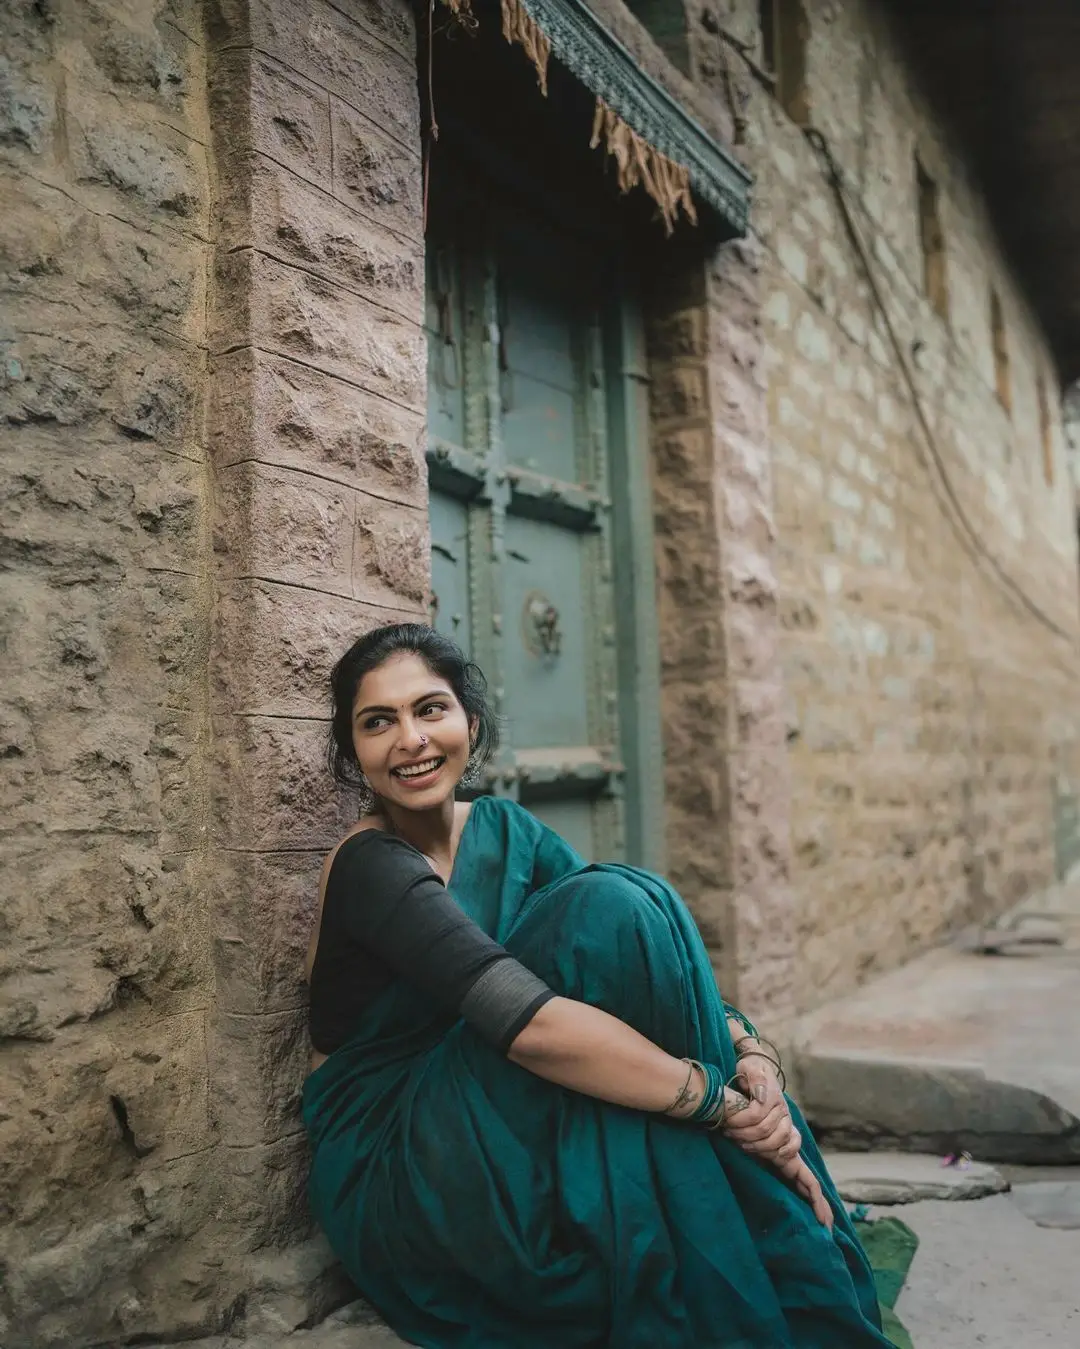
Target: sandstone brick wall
315	417
105	1132
933	721
213	399
723	699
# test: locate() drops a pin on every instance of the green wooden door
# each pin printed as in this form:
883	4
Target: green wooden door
541	554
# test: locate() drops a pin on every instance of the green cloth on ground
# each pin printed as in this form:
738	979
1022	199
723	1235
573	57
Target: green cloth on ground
478	1206
890	1245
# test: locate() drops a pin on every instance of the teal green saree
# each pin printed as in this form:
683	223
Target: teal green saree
480	1207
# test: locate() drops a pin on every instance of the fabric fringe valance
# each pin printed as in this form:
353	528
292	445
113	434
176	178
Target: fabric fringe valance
520	27
656	145
637	162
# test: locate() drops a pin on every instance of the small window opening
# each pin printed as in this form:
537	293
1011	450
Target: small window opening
932	237
666	22
1046	435
785	32
1001	352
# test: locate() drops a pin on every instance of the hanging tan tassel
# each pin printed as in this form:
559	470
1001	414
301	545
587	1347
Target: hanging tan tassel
519	26
638	162
462	11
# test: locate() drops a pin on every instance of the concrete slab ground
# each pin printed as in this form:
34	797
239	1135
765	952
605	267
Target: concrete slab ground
956	1050
984	1275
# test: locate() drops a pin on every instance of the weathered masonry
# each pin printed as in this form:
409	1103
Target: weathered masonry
761	527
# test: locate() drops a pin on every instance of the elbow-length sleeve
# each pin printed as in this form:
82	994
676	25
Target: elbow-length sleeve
393	904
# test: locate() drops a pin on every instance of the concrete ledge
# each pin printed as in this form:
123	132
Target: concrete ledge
954	1051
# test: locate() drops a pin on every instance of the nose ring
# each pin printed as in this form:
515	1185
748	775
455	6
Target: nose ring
423	742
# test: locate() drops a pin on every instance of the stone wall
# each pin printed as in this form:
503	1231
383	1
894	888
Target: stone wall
214	398
933	719
722	698
106	1136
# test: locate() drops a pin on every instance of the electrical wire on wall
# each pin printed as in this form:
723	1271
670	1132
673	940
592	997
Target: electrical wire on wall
952	507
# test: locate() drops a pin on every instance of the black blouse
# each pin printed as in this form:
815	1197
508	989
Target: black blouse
387	915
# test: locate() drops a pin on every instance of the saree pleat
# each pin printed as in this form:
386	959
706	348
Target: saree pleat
480	1207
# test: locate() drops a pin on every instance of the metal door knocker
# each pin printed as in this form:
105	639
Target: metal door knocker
540	622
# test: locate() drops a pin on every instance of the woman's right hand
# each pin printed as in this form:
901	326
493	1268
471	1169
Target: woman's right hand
805	1183
763	1127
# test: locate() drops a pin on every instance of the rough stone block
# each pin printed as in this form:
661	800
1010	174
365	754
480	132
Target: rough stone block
263	908
158	1086
693	646
151	61
100	380
278	525
156	167
109	1277
679	393
678	336
682	461
274	648
375	174
271	790
286	414
297	314
317	232
332	50
268	1191
27	107
686	567
261	107
260	1063
391	564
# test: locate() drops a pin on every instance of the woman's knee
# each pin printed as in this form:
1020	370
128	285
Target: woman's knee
601	902
597	935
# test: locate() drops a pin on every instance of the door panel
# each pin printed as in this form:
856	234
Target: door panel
444	329
572	820
546	653
522	565
450	568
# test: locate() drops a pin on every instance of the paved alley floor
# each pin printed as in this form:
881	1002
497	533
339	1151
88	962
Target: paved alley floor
986	1275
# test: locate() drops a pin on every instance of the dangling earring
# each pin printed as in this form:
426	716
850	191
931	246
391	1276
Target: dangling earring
471	776
365	797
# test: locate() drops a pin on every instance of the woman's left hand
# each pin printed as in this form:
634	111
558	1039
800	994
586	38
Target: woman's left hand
764	1128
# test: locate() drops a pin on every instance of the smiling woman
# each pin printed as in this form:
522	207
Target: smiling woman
512	1049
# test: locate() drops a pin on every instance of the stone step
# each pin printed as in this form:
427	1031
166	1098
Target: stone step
908	1177
954	1051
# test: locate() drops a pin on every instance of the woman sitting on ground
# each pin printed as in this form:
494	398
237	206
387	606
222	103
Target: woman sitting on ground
534	1122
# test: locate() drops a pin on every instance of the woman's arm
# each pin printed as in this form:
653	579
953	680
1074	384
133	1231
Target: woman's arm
585	1049
581	1047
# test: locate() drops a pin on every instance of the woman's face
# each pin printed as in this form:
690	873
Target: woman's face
410	733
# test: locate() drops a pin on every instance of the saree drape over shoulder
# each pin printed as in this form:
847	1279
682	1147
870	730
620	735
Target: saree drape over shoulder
480	1207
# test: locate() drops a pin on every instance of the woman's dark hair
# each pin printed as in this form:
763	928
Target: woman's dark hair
442	656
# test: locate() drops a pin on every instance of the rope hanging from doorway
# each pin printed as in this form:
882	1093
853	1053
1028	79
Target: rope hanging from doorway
638	162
